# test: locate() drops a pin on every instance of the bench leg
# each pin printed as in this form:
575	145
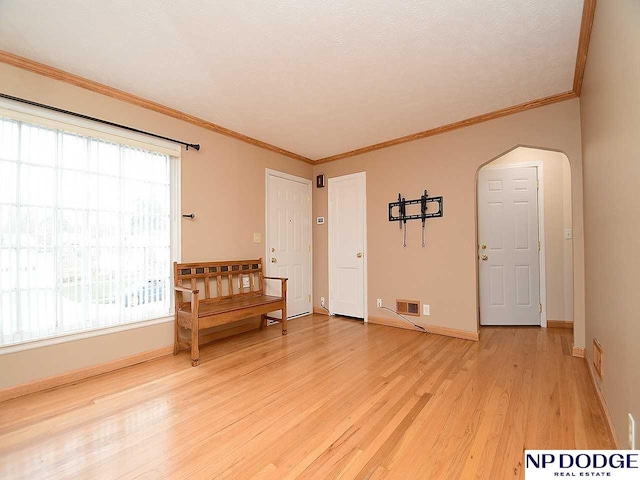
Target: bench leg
195	347
263	321
284	319
176	334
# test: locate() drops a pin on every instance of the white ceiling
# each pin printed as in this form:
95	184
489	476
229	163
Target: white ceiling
319	77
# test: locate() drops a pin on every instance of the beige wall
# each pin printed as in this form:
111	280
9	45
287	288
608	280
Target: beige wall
556	186
610	134
444	273
223	184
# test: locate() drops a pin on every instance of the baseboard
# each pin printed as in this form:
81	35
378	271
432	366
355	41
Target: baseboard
320	311
577	352
448	332
559	324
602	401
82	373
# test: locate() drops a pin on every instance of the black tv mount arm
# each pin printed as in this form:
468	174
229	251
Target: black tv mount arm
402	216
423	212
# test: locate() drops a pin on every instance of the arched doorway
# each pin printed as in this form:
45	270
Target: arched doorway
525	250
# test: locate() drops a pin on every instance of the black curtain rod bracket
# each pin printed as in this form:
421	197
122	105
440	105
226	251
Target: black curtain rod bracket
187	145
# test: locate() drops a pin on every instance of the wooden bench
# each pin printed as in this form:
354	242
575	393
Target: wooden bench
226	299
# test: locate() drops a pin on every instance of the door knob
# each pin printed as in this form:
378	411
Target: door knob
359	255
484	257
274	260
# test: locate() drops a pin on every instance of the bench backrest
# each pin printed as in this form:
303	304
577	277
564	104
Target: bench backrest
220	280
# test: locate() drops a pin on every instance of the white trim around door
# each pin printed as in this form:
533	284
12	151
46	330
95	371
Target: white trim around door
541	256
308	232
362	206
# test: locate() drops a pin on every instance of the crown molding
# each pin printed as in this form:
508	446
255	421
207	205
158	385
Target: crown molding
560	97
61	75
588	12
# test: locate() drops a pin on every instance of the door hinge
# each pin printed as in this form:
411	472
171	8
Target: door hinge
308	199
538	184
539	245
540	307
309	298
309	248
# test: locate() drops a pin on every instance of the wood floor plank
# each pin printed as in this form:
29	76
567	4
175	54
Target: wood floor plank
335	398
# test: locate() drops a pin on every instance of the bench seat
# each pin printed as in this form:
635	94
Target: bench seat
228	310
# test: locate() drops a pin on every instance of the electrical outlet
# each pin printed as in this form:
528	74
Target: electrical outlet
322	301
244	283
257	237
426	310
379	303
632	432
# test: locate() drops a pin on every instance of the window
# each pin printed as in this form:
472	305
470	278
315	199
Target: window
87	222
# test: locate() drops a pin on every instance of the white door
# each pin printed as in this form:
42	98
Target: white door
508	250
288	241
347	241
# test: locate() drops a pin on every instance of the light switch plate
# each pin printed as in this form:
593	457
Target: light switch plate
568	234
426	310
257	237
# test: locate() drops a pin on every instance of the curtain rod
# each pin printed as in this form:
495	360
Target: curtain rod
195	146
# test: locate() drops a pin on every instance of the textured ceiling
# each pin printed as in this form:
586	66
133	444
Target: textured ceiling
317	78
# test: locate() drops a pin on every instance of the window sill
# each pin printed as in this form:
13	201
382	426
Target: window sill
73	336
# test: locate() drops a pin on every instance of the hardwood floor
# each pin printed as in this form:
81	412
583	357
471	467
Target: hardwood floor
333	399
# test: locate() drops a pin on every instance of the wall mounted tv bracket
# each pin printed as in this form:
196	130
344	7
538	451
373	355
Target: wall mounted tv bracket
402	216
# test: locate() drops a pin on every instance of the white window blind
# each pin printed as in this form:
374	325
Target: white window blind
85	232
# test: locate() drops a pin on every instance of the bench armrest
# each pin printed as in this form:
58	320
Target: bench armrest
186	290
284	285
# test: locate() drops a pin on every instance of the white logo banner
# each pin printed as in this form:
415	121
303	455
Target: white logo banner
555	464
